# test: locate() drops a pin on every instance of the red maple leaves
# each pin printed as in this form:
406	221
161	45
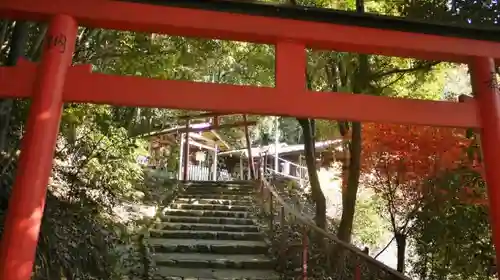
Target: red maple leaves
402	158
416	151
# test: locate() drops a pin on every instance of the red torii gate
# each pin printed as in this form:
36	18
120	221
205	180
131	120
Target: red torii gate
54	82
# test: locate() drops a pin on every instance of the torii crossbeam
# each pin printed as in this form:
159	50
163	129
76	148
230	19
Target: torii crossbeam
54	81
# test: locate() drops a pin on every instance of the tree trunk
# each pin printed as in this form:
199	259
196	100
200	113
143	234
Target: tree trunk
133	119
72	133
317	193
401	244
351	165
308	133
351	168
4	28
17	48
36	47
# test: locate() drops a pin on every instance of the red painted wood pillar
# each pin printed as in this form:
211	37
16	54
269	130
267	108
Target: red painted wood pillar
486	93
27	201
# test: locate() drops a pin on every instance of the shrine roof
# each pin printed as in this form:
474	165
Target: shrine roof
210	135
283	148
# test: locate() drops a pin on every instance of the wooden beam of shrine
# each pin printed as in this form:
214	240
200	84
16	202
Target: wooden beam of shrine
203	138
224	142
199	145
83	86
251	28
216	127
211	128
164	142
204	115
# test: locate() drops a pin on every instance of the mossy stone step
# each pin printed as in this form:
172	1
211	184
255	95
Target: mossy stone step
233	184
207	206
216	235
196	260
206	213
161	245
222	186
207	234
211	191
173	273
214	201
206	227
207	220
248	198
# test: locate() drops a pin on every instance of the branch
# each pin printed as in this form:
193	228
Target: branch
411	214
223	75
385	248
35	49
390	204
400	76
4	28
422	66
84	37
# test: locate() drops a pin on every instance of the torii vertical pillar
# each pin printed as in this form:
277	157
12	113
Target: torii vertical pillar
486	93
27	201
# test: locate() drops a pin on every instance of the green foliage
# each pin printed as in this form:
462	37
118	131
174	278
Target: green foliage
369	226
92	174
265	131
75	243
326	130
452	235
99	149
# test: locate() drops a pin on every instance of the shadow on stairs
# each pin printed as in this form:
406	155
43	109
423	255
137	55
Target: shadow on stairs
207	233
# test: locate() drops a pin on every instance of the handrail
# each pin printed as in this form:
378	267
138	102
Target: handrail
302	170
285	175
311	224
287	161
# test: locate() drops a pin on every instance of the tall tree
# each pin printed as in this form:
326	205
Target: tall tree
351	165
400	159
17	48
452	229
310	155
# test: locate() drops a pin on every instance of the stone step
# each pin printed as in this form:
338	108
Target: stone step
233	184
218	191
215	201
173	273
248	198
206	227
222	186
196	260
207	220
214	235
206	213
208	206
161	245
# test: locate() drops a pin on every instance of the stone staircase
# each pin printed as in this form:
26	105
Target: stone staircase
208	233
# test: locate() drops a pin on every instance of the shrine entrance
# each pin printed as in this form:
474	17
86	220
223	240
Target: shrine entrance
54	81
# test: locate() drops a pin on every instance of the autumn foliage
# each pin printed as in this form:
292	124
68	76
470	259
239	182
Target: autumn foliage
400	159
412	152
